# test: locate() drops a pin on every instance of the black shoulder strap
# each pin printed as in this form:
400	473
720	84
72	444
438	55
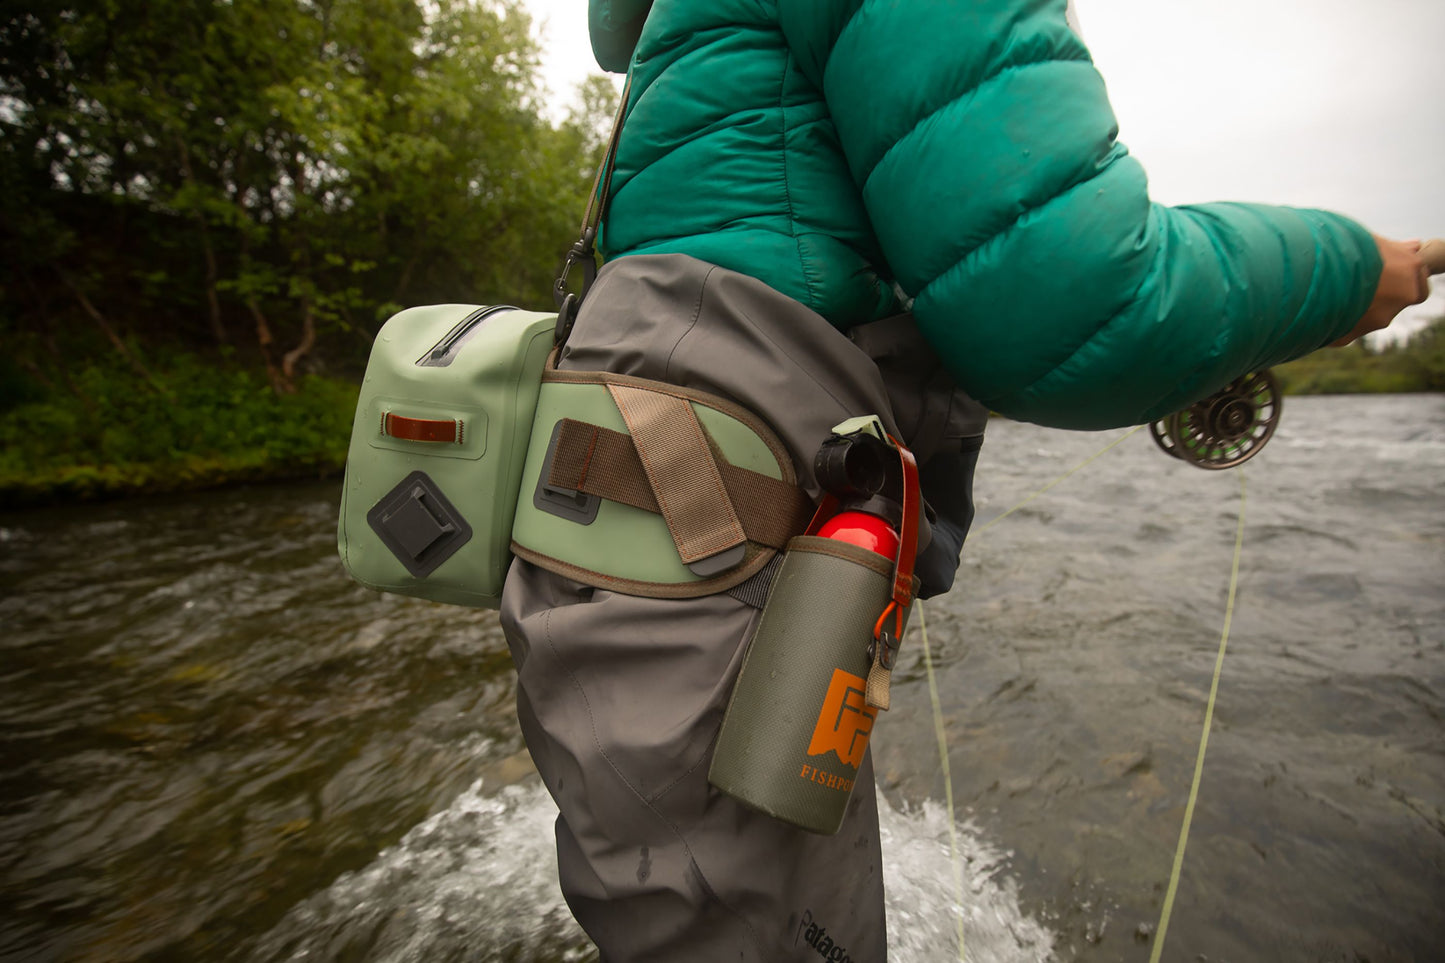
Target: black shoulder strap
584	251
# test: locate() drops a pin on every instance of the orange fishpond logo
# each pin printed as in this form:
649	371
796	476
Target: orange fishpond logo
845	722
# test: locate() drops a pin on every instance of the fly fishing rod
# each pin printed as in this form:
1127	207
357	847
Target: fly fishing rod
1230	426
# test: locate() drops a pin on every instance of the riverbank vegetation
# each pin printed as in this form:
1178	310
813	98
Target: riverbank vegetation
191	422
1410	365
98	428
207	210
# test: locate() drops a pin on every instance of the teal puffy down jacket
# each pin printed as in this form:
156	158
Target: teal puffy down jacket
962	153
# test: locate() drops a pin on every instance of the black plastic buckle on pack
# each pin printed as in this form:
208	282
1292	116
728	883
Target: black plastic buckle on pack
568	503
582	253
419	524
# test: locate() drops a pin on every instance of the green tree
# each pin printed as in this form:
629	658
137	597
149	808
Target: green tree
194	192
1415	364
298	168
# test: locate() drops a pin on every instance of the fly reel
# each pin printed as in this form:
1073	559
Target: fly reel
1226	429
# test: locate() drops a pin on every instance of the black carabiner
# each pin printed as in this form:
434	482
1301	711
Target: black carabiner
568	303
566	317
584	254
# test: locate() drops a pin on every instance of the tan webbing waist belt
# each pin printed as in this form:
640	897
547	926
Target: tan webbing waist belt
683	475
651	489
598	461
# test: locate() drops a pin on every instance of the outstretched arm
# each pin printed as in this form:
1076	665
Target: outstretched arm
983	143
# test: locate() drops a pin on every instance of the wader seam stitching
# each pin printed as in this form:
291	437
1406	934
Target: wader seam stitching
707	750
690	769
592	724
845	406
696	314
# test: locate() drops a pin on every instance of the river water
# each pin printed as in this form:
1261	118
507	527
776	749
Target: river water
214	746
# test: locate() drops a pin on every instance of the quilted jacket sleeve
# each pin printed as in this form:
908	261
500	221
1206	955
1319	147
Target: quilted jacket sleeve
982	140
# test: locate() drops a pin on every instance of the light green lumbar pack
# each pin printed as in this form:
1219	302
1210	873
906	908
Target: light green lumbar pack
437	449
448	470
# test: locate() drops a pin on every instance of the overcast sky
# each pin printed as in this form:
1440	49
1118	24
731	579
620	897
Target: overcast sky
1318	103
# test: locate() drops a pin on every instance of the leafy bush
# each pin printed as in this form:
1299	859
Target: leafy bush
209	424
1416	365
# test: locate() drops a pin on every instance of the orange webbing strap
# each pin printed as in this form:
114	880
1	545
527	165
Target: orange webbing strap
908	542
681	472
884	648
598	461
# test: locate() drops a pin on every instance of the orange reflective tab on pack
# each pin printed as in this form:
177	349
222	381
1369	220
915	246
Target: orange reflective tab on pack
421	429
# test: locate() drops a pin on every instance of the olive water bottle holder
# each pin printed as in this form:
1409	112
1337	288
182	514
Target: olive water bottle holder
818	667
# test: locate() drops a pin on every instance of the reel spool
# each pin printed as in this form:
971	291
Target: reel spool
1226	429
1230	426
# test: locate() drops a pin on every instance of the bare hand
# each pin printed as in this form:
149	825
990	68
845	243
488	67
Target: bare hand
1404	280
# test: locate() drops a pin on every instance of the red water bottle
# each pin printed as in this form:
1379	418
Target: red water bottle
863	529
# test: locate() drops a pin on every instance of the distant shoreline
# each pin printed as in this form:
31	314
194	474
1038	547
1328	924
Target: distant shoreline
222	426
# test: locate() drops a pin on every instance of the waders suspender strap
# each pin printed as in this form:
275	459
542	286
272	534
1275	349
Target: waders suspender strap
583	252
598	461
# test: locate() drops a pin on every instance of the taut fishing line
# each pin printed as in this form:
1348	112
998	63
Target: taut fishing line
1254	443
1221	431
1204	737
947	778
1065	476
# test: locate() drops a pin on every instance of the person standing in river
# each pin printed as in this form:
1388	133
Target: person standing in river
825	165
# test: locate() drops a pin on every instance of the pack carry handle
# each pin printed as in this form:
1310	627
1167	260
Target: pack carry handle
407	428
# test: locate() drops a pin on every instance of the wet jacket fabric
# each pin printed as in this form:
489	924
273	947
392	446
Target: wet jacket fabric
859	155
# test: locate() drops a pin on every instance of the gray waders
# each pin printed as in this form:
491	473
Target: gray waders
620	696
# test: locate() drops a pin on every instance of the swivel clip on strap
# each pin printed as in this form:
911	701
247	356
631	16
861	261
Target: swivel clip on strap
585	254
